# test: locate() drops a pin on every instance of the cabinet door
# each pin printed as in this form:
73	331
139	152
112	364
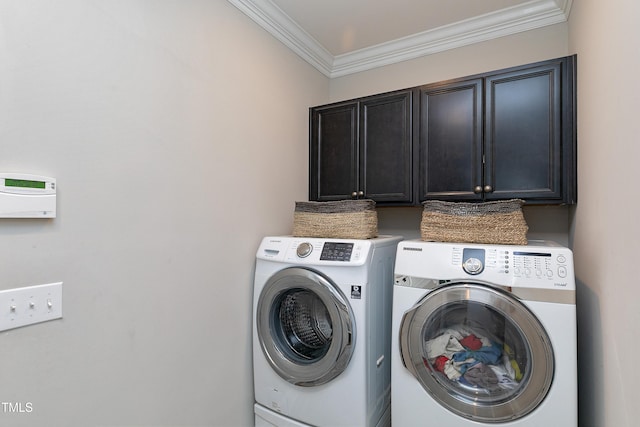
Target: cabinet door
451	141
523	141
386	141
333	151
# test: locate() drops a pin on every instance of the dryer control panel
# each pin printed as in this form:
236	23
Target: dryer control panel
522	265
538	265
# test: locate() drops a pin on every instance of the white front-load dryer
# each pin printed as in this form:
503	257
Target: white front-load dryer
484	335
322	331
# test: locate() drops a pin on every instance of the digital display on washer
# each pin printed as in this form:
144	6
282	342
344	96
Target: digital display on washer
336	251
532	254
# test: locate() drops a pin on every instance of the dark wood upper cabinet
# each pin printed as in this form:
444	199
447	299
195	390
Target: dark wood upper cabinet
500	135
451	140
524	134
505	134
333	152
363	149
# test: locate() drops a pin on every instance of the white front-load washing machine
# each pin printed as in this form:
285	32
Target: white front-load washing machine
484	335
322	331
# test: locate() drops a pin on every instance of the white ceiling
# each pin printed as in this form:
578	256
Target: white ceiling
341	37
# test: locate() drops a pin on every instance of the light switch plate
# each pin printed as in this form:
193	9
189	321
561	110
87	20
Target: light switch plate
29	305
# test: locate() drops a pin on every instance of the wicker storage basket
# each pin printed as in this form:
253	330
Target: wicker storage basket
500	222
345	219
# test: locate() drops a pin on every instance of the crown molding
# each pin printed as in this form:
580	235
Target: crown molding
516	19
278	24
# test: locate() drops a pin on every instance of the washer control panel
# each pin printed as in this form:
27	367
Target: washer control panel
327	250
315	251
336	251
318	251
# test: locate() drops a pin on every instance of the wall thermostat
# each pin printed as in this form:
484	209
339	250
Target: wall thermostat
27	196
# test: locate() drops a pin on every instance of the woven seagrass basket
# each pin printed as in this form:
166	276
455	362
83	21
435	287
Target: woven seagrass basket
499	222
344	219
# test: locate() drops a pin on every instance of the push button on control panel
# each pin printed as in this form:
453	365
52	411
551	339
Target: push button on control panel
562	268
562	271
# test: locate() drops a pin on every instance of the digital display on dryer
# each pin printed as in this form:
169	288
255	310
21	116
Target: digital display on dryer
336	251
532	254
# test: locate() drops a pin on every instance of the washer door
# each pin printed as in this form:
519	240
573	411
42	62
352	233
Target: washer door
305	327
478	351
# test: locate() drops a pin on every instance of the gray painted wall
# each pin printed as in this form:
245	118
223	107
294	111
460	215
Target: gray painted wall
177	132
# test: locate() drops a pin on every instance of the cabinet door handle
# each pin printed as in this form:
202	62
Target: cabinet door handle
360	193
354	194
488	189
477	189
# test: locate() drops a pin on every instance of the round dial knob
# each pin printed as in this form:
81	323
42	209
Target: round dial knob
473	266
304	249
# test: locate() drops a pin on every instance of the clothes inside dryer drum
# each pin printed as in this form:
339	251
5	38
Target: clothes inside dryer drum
478	351
306	324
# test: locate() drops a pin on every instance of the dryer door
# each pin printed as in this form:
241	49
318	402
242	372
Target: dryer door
305	326
478	351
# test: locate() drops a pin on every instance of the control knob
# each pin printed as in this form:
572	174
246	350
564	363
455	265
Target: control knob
304	249
473	266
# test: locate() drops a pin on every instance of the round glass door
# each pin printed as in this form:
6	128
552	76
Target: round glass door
478	351
305	327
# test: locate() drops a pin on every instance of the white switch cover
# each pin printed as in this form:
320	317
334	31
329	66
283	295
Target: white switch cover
29	305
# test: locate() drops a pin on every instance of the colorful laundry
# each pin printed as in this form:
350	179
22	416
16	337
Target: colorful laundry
440	363
466	356
510	354
480	375
444	345
471	342
487	355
